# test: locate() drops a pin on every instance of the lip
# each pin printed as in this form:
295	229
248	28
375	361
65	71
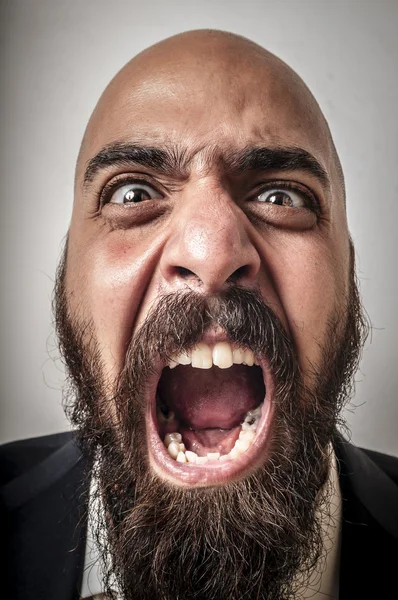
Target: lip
218	473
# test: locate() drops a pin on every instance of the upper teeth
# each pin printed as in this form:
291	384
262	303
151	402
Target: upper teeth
222	355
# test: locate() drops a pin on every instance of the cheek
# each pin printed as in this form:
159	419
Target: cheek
310	278
111	277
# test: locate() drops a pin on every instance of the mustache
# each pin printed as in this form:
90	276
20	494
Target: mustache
178	321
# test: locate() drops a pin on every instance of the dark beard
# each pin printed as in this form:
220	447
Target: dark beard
246	539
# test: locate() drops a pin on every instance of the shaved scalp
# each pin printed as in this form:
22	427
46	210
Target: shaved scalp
199	58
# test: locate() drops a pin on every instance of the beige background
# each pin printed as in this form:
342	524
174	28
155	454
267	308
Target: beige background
57	56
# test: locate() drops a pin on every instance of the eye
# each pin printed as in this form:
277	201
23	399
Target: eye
132	193
284	197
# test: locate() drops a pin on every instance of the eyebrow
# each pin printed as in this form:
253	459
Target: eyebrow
278	159
174	162
166	161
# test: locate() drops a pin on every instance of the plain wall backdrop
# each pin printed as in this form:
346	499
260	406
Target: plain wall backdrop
56	58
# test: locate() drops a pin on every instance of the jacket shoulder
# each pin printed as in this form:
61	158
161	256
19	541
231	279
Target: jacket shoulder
385	462
370	477
43	513
20	456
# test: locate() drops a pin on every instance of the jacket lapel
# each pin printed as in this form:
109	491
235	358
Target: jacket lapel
369	554
45	524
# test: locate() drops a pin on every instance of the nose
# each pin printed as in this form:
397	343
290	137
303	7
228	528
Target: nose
209	247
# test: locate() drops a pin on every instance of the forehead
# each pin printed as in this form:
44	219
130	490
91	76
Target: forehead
197	106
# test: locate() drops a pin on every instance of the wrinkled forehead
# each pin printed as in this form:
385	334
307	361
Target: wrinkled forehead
197	105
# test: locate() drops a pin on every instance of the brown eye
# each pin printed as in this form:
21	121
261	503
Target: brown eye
134	193
283	198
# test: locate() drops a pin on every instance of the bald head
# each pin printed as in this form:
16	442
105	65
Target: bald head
213	74
208	58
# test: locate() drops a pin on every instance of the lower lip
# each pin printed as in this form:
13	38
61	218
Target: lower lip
216	473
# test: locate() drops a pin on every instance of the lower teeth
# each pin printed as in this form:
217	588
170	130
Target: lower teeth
176	448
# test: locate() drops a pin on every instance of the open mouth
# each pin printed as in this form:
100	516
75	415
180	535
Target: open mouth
209	418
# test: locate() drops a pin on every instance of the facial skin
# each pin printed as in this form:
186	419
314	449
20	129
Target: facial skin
204	255
207	95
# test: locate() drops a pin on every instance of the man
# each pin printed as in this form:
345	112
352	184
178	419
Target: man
207	310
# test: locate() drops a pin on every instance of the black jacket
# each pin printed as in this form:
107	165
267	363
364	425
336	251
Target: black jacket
43	501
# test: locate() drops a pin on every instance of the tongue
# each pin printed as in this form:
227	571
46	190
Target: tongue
213	398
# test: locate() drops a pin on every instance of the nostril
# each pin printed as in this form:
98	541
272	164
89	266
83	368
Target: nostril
239	274
184	273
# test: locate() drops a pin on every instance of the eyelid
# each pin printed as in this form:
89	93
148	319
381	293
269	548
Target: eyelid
106	192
